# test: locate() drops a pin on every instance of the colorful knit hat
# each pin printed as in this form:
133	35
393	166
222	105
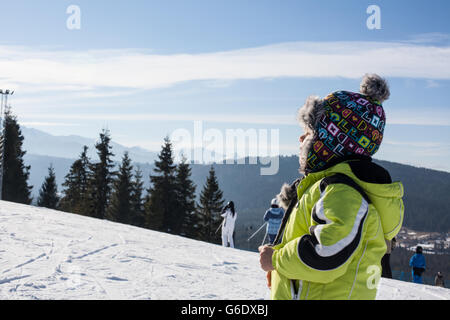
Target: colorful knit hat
343	124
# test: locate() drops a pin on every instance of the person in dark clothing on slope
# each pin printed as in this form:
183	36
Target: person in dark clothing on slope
386	271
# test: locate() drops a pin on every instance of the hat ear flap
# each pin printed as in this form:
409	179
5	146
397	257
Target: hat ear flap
310	113
304	151
309	116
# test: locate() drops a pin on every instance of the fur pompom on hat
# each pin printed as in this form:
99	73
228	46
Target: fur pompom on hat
375	87
343	124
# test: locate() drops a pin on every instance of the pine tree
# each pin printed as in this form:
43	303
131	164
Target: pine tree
75	186
15	173
137	200
186	200
120	207
48	194
100	180
209	209
161	201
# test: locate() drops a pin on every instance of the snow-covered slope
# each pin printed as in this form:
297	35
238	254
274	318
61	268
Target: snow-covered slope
47	254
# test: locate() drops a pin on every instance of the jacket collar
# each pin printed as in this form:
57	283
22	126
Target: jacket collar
343	159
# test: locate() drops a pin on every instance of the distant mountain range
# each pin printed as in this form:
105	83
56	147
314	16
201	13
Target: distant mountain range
427	200
37	142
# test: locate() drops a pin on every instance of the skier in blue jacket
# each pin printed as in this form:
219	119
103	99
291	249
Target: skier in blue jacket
273	217
417	263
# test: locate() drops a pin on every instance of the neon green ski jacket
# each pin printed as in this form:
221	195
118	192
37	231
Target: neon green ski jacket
334	239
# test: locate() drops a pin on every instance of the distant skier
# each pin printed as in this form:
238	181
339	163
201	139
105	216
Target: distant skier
273	217
417	263
439	280
229	215
386	271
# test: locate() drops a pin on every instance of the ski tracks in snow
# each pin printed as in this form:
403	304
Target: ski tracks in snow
25	263
64	264
47	254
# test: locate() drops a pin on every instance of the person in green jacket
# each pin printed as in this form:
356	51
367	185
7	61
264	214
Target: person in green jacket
340	214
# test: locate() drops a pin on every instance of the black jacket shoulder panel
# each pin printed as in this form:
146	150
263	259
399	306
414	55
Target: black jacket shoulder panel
371	172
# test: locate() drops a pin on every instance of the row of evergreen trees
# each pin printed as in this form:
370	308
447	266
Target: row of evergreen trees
95	189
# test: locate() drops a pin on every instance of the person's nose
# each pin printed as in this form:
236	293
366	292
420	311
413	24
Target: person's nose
302	138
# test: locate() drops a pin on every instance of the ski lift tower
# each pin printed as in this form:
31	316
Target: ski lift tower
3	106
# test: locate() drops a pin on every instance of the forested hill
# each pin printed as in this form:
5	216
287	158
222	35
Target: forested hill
427	196
427	192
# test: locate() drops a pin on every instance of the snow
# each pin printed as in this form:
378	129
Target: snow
48	254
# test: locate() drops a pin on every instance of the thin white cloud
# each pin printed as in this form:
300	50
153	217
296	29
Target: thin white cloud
418	121
427	116
267	119
430	37
58	70
47	124
441	117
432	84
419	144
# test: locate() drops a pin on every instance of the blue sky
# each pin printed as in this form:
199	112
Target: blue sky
144	69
